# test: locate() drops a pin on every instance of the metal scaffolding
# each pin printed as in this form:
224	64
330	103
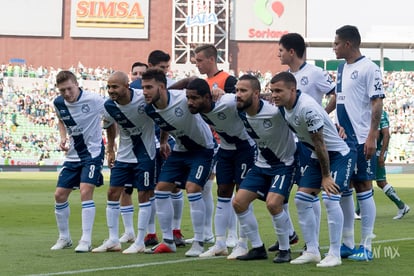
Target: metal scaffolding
198	22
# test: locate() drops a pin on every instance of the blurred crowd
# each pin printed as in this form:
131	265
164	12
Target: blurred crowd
28	122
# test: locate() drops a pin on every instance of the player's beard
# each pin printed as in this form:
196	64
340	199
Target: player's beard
243	105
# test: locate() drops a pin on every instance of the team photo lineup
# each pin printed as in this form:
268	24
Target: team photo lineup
167	140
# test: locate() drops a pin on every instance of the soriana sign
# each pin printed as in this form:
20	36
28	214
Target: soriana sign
113	19
267	19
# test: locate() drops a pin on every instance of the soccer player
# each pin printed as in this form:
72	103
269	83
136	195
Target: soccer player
330	167
135	159
234	157
271	177
191	157
218	80
80	116
381	177
310	80
136	72
161	60
359	96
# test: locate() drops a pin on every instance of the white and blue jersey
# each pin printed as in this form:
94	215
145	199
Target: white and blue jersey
225	120
314	81
136	135
189	130
83	122
357	84
306	117
275	142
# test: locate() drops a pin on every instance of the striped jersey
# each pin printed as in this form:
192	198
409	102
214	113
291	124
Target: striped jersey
136	129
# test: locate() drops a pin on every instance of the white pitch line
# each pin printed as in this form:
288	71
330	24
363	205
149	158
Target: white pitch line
169	262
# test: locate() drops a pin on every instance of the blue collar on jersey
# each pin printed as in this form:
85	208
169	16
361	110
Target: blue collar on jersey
300	67
358	59
80	94
261	103
298	93
132	94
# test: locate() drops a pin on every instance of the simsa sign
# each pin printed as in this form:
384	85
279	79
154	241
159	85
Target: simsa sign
112	19
267	20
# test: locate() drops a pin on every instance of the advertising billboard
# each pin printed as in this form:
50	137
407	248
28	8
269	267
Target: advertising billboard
110	19
259	20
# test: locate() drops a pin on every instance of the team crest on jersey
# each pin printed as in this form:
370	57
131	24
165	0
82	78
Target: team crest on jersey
296	120
267	123
85	108
221	116
304	80
179	112
354	75
141	109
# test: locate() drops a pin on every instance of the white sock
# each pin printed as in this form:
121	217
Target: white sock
178	205
307	220
144	214
127	214
62	213
164	207
248	224
242	236
222	217
197	211
290	224
112	219
316	205
281	226
335	223
88	217
368	213
151	223
207	194
348	209
232	224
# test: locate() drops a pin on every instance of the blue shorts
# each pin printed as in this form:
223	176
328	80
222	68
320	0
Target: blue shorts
137	175
341	170
73	173
159	160
303	155
193	166
233	165
278	179
364	169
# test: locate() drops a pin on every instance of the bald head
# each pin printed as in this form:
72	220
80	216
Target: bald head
119	77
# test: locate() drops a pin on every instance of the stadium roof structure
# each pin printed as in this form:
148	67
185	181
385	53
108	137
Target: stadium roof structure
365	44
370	44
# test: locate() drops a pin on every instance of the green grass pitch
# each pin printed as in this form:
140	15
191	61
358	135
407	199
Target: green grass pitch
28	230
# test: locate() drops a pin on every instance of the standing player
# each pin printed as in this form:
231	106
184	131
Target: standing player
313	81
381	177
271	177
358	109
135	160
234	157
136	72
80	116
329	166
206	62
191	157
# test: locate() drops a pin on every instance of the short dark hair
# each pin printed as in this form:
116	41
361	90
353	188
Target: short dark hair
254	82
286	77
138	64
154	73
158	56
293	41
65	75
209	50
349	33
200	85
